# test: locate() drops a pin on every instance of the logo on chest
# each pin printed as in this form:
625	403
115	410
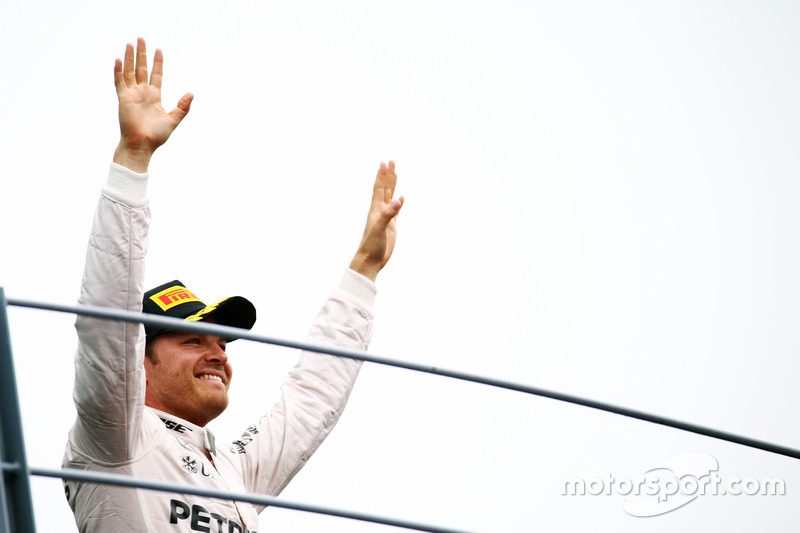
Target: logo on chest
189	464
193	466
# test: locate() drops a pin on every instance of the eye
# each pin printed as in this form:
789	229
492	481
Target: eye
222	346
192	340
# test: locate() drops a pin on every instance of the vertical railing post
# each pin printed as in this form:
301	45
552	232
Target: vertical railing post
15	488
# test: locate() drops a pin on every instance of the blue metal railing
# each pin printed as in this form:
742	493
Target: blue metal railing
16	505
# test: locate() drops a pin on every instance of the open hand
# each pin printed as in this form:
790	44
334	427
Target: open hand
380	233
144	124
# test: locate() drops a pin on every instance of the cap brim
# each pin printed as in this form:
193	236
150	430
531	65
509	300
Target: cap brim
235	311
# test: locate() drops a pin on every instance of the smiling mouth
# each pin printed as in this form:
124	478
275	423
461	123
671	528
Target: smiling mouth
210	377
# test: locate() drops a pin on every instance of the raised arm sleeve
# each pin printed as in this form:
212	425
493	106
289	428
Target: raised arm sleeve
313	394
109	375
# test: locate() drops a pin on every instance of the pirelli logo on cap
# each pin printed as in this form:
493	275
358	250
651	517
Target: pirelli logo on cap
176	295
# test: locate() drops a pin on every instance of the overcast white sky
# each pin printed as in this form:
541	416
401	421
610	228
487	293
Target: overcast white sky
600	200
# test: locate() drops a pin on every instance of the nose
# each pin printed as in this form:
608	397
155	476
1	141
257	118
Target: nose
215	352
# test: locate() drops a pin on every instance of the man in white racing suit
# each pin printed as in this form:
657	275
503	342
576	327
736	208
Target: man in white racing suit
143	399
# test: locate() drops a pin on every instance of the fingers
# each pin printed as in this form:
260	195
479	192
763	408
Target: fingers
119	82
141	61
383	193
127	68
385	183
133	70
390	181
158	68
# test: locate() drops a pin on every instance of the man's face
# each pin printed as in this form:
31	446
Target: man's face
188	376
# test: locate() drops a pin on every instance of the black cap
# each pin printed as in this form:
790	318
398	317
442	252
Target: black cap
175	300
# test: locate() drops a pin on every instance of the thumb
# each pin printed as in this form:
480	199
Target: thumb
182	109
392	209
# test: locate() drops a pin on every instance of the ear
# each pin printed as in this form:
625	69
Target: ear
148	368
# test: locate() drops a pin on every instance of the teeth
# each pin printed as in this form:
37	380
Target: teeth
210	376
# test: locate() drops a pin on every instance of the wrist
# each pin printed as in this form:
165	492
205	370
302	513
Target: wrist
368	269
135	159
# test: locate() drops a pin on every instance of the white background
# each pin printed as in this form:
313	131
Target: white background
600	200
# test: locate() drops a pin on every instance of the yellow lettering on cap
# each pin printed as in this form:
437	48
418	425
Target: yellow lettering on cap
177	295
